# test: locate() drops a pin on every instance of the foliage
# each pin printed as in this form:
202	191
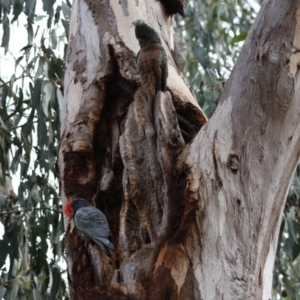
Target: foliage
30	249
29	133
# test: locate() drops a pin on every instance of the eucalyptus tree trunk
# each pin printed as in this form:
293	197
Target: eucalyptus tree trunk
194	208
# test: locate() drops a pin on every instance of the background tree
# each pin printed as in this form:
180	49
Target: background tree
207	67
30	248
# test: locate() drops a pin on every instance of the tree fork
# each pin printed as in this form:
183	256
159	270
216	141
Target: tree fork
190	215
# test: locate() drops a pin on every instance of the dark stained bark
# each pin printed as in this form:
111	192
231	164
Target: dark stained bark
194	213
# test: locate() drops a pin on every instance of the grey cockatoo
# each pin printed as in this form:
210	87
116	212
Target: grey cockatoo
90	222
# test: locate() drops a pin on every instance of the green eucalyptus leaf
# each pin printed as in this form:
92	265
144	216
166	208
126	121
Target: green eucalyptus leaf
288	245
48	6
48	92
42	130
25	284
14	292
2	291
56	281
18	61
31	65
37	19
202	56
30	34
66	9
12	79
208	79
15	242
26	48
281	230
3	164
16	160
296	250
209	96
66	27
38	28
40	69
42	278
57	14
290	219
6	33
36	293
53	39
18	8
3	251
36	94
60	96
3	199
35	194
30	10
15	267
239	38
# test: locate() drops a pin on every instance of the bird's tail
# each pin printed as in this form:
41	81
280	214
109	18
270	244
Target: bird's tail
105	245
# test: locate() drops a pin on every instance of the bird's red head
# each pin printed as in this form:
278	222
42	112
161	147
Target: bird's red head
68	210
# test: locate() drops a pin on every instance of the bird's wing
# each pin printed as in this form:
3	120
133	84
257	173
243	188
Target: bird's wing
92	222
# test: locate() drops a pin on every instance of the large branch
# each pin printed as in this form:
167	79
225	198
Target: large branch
242	161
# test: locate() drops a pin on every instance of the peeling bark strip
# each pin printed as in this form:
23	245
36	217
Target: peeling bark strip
189	221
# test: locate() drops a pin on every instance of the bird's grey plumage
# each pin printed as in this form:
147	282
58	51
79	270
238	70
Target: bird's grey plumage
90	221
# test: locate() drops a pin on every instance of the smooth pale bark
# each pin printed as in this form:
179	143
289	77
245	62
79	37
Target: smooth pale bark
241	177
191	217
